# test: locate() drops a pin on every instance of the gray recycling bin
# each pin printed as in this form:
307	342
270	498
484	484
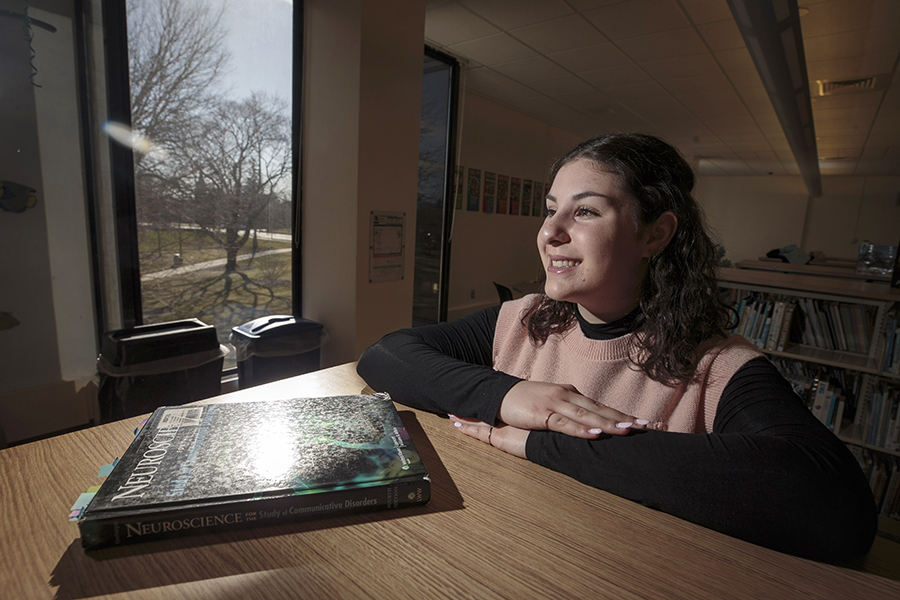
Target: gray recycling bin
276	346
145	367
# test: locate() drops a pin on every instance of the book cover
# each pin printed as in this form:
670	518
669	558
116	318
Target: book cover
199	469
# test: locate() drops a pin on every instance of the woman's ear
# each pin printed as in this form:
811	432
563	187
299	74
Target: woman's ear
660	233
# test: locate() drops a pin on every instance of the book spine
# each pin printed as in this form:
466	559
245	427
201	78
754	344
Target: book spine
136	527
786	327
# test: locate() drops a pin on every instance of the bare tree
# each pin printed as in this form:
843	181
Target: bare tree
176	54
244	162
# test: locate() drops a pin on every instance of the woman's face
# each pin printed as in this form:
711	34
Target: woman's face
591	249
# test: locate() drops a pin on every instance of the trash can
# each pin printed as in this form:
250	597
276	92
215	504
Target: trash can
276	346
149	366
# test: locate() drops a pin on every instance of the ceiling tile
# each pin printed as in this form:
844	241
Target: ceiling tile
616	77
707	11
722	35
852	67
735	59
583	5
509	14
565	33
707	168
548	61
730	126
490	83
637	18
675	68
430	4
629	93
732	166
591	58
669	115
586	100
565	85
494	49
842	15
838	45
663	45
512	95
451	24
531	69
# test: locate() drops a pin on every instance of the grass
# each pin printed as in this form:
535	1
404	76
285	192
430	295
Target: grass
261	286
157	249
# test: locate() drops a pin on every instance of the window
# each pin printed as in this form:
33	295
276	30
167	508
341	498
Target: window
204	158
437	155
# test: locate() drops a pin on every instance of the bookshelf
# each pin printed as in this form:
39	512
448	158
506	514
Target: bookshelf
839	346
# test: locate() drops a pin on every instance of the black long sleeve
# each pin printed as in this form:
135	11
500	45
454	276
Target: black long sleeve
769	473
443	368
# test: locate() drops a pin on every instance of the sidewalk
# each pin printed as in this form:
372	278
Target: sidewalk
219	262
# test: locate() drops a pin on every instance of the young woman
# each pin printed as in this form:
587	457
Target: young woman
621	374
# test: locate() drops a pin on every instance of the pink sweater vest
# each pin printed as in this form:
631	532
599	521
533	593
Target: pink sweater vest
601	370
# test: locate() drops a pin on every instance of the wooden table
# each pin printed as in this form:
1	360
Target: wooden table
496	527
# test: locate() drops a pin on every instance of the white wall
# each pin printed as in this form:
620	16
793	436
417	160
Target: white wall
496	247
360	154
753	215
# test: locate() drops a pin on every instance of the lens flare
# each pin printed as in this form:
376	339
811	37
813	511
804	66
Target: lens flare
138	142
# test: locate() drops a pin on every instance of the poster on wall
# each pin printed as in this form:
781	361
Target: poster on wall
526	197
386	246
537	199
458	190
473	190
490	192
502	194
515	193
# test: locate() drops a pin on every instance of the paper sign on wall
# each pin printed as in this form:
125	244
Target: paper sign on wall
386	247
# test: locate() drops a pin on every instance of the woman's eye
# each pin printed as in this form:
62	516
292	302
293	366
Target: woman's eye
550	211
585	212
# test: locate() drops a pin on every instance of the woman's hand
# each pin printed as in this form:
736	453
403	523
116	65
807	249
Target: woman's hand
505	437
557	407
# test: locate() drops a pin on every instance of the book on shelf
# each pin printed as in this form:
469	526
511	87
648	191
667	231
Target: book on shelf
883	474
216	467
773	321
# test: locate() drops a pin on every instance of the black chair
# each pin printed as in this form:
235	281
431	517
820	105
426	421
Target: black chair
504	292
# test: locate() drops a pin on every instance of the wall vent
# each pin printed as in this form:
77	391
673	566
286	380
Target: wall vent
876	83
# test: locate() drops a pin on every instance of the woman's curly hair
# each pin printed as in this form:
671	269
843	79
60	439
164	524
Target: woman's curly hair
680	303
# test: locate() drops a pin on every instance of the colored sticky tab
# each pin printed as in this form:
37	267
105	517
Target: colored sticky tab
80	504
107	469
93	489
83	500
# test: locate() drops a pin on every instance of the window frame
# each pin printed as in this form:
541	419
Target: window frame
118	100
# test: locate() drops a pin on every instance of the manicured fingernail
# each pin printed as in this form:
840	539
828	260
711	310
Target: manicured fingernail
642	421
593	431
624	425
457	424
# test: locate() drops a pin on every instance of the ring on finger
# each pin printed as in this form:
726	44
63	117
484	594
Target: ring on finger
547	420
489	436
